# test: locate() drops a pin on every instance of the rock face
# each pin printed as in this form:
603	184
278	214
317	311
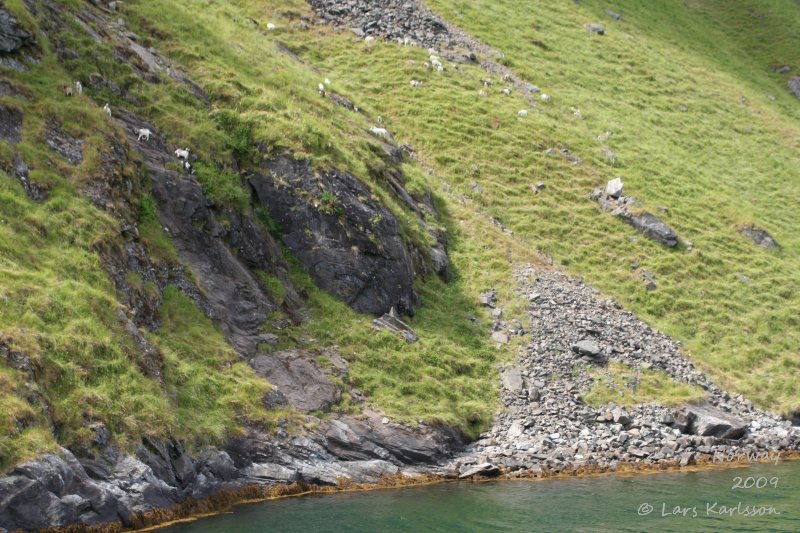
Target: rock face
12	37
761	237
295	374
348	242
708	421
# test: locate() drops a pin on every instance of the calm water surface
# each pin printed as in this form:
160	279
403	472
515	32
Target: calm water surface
684	501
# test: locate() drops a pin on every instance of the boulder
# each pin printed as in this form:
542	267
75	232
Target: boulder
614	188
708	421
794	86
651	227
587	347
512	379
483	469
761	237
391	322
347	240
620	416
12	37
597	29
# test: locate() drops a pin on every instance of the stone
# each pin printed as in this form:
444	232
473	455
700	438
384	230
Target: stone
794	86
708	421
651	227
687	459
12	36
587	347
392	323
761	237
512	379
620	416
597	29
614	188
613	15
500	337
483	469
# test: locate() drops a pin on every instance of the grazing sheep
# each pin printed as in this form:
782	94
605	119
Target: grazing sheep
522	112
143	133
321	89
383	133
67	90
415	83
545	97
426	65
271	26
440	69
482	93
182	153
79	87
369	40
408	42
506	91
107	109
506	78
487	82
380	119
188	167
432	51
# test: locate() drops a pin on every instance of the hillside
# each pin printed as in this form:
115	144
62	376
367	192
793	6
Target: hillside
216	308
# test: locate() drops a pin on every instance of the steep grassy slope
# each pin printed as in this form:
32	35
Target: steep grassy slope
724	162
728	160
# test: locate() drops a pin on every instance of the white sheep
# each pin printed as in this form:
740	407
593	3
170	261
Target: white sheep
321	89
271	26
440	69
436	63
327	81
545	97
415	83
482	93
182	153
506	91
380	119
522	112
487	82
383	133
143	133
408	42
426	65
107	109
79	87
506	77
432	51
369	40
188	167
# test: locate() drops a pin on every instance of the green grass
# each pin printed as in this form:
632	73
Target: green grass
624	386
724	162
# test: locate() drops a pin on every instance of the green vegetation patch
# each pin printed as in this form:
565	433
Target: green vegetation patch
628	387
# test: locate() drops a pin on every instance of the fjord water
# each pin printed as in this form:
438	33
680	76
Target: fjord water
708	500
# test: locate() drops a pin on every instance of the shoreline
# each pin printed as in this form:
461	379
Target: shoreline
228	500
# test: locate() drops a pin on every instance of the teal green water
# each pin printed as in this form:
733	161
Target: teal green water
682	501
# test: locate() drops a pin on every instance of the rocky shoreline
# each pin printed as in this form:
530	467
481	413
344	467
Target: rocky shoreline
547	426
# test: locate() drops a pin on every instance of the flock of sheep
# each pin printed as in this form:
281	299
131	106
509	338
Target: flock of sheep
434	61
